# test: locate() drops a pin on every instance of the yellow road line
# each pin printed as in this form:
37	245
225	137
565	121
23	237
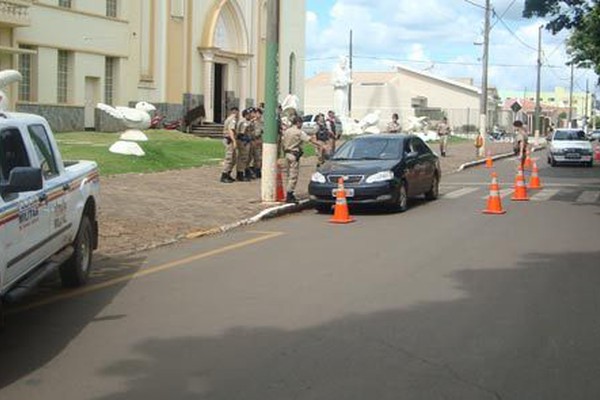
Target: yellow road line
147	271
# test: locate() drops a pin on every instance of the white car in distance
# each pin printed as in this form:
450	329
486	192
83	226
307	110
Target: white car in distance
570	146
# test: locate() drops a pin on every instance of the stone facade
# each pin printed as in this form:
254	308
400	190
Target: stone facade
62	118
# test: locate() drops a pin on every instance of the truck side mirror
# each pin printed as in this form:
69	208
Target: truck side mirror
23	179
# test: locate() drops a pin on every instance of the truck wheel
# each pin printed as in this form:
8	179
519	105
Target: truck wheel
75	271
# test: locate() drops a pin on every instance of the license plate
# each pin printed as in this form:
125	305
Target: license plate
573	156
349	192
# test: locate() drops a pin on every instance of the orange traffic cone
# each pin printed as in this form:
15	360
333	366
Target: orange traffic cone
535	182
597	153
279	191
528	164
489	163
520	188
494	203
341	215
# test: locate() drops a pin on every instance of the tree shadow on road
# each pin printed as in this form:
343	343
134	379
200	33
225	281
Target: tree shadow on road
34	334
529	332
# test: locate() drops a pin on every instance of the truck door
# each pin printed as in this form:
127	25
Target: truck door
56	189
24	217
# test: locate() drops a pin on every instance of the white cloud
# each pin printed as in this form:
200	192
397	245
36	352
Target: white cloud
419	33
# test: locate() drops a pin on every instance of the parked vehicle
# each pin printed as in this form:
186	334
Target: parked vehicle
309	124
570	146
48	209
384	169
595	135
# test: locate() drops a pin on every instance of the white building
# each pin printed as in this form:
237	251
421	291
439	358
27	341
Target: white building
405	91
180	55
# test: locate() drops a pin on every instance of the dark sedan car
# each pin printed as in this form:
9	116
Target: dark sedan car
382	169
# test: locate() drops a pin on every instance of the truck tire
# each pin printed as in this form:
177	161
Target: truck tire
75	271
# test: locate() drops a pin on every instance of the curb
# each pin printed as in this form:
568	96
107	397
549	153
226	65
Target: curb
269	213
502	156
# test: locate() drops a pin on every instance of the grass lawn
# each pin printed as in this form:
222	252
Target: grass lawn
165	150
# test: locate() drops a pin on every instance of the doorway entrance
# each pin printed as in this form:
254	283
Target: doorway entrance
92	97
220	106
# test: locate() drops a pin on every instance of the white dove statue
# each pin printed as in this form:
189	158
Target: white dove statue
135	119
6	78
416	124
370	122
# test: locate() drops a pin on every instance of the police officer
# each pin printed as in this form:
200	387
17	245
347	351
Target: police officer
257	143
443	131
394	126
332	128
244	138
323	137
521	141
292	142
229	140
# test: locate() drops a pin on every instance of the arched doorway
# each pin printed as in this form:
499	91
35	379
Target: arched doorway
224	54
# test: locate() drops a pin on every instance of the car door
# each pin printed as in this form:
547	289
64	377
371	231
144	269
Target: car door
411	172
25	218
426	164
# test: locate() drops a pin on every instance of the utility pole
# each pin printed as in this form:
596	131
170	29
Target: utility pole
484	79
571	97
587	96
538	108
350	86
269	167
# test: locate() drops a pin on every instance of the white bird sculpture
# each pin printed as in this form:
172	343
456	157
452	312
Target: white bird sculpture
135	119
370	122
416	124
6	78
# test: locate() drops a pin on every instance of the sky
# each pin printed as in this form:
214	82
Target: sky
439	37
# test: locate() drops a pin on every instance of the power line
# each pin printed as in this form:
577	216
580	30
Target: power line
474	4
512	3
508	28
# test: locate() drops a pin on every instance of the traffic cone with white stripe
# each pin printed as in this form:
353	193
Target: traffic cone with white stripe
535	182
494	203
279	192
528	164
341	214
489	162
520	187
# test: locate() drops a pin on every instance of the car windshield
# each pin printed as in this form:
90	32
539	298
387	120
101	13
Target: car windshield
569	135
307	118
371	149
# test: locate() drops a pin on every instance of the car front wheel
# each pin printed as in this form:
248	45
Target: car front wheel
402	201
434	192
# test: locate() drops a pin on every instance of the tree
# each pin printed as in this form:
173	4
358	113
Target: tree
582	17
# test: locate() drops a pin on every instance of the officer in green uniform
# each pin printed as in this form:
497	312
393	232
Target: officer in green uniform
257	143
292	143
229	140
245	132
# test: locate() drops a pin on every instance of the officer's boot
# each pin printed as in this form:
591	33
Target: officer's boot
226	178
290	198
240	177
249	175
257	173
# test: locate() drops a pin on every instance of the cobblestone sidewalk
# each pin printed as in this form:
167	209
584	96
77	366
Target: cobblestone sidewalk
139	211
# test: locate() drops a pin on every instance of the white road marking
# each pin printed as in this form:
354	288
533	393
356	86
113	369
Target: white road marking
503	193
588	197
459	193
545	194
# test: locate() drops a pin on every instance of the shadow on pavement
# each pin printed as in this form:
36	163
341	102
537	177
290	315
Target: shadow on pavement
33	337
529	332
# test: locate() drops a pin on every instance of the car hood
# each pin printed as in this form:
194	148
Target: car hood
571	144
357	167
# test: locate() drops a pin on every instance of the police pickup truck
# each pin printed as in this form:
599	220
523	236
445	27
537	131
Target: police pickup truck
48	209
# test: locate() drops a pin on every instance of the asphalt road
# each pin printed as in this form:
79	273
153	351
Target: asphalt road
441	302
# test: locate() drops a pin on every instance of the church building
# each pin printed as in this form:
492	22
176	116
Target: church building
187	57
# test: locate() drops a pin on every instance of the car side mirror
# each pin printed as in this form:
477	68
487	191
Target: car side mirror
23	179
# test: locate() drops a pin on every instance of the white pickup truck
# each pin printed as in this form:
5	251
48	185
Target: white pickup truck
47	209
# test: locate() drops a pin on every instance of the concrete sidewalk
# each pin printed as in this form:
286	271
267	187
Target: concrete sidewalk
140	211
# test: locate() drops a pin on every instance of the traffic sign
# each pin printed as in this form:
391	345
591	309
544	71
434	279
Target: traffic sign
516	106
